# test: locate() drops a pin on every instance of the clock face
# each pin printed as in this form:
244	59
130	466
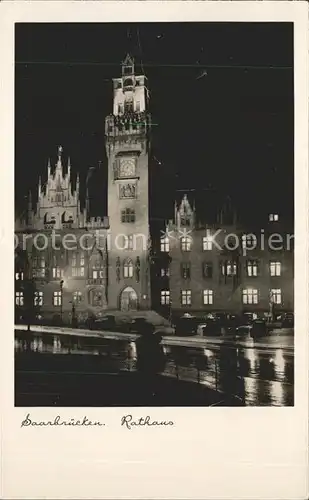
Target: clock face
127	167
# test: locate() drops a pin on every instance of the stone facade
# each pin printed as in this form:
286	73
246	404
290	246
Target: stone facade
214	268
85	265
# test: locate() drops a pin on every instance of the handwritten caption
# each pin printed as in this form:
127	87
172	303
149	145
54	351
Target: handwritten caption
127	421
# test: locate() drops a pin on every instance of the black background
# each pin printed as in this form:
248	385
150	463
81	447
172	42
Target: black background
231	129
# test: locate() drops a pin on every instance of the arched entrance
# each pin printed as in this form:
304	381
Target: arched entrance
128	299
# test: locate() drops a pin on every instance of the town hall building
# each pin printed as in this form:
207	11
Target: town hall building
82	265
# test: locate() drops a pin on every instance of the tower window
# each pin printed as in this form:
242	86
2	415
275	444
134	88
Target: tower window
128	215
120	108
128	269
137	106
128	70
128	106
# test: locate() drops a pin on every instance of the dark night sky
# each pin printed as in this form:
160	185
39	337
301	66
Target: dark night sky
232	129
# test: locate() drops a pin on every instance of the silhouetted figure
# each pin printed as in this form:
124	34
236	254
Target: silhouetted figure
74	318
150	358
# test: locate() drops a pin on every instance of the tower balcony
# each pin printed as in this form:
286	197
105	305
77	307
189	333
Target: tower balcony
127	124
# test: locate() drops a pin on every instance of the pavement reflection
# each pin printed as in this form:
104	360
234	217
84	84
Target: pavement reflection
258	376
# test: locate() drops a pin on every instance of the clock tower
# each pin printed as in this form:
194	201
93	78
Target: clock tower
127	141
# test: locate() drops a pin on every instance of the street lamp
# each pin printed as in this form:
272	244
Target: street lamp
61	296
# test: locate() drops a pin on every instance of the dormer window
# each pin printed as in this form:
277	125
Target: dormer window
128	106
273	217
185	220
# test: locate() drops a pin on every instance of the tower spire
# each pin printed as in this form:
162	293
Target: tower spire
59	162
128	65
69	169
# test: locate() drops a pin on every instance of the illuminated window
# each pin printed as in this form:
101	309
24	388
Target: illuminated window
78	272
58	272
128	269
78	263
74	259
186	242
276	296
248	241
207	241
165	297
19	276
229	269
38	266
165	271
252	268
208	297
77	297
275	268
97	274
250	296
38	298
57	298
273	217
186	297
165	244
19	298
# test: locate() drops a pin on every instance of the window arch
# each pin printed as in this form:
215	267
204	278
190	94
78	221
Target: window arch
128	268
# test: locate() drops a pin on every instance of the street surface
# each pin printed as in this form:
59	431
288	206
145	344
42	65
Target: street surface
256	373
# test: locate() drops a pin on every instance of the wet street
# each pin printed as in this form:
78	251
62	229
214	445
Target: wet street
255	375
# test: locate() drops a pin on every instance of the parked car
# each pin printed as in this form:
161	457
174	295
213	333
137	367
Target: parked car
258	329
287	320
107	322
211	327
186	326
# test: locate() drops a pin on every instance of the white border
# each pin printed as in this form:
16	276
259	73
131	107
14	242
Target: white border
209	453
